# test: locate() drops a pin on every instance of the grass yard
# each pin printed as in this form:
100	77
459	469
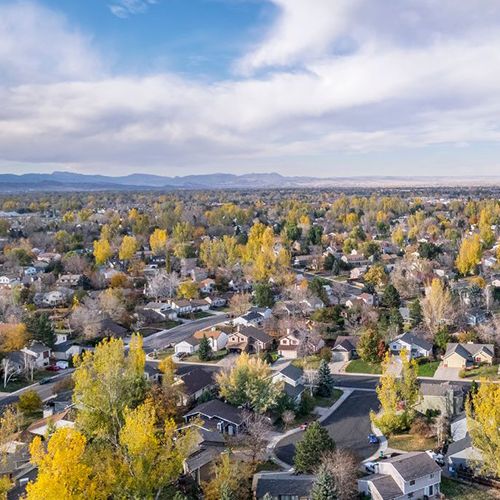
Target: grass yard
427	369
216	356
455	490
327	402
268	465
309	362
360	366
411	442
485	371
19	383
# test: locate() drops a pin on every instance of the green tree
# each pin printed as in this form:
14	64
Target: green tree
391	298
316	287
311	447
325	380
369	345
442	338
415	310
204	349
41	329
263	295
324	485
29	402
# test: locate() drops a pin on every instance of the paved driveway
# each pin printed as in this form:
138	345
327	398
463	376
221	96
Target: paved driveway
443	373
349	427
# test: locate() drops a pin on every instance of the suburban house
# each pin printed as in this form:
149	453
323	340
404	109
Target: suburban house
216	338
162	309
468	354
215	301
415	345
253	317
207	286
187	346
410	475
181	306
290	345
54	298
282	486
71	280
312	304
447	397
477	316
195	381
9	281
39	353
249	339
461	451
345	348
292	378
218	416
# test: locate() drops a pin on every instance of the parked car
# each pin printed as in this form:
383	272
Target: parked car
45	380
53	368
370	467
373	439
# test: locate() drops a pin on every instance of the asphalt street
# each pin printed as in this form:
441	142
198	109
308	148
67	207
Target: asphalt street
349	427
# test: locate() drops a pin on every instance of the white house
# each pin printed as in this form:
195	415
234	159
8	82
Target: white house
216	338
9	281
39	352
54	298
161	308
415	345
254	317
292	379
207	286
187	346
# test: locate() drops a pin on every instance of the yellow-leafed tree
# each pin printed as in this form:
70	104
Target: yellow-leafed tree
158	241
102	251
128	248
469	255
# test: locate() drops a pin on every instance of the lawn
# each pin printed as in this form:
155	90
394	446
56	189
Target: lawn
216	356
360	366
427	369
15	385
458	491
268	465
309	362
485	371
411	442
327	402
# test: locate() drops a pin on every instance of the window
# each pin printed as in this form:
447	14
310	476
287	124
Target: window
412	483
431	476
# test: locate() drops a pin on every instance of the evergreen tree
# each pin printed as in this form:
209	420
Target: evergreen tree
204	350
263	295
309	450
325	380
41	329
415	313
391	298
324	486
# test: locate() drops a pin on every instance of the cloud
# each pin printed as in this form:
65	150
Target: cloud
126	8
416	79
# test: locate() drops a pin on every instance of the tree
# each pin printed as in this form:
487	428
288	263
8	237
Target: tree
29	402
256	436
437	306
415	310
469	256
311	447
324	486
288	417
107	382
249	382
13	336
41	329
163	284
263	295
391	298
375	276
204	349
231	480
62	471
442	338
342	465
325	380
102	251
240	304
398	236
158	241
483	419
369	345
408	384
128	248
188	290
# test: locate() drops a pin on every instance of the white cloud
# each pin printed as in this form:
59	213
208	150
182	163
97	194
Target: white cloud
416	86
126	8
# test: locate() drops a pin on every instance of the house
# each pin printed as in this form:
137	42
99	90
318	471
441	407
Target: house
209	446
447	398
216	338
410	475
161	309
357	272
39	352
187	346
218	416
289	345
9	281
108	328
344	348
254	317
181	306
152	372
54	298
468	354
199	305
312	304
298	341
215	301
65	351
249	339
292	378
55	421
461	452
207	286
195	381
476	316
414	344
282	486
71	280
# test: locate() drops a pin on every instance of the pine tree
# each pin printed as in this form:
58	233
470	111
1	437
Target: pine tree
325	380
391	298
415	312
324	486
204	350
41	329
309	450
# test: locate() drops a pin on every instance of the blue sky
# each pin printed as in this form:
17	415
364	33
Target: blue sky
301	87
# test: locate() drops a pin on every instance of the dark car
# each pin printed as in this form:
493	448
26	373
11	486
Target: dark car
45	380
53	368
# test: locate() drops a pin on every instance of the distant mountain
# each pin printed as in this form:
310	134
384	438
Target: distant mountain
69	181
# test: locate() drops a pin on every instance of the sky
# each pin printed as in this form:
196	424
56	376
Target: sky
301	87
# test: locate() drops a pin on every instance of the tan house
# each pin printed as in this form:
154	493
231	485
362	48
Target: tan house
468	354
288	346
249	339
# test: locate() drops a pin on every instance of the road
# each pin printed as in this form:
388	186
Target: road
349	427
179	333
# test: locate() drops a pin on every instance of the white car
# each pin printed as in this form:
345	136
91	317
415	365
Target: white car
371	467
437	457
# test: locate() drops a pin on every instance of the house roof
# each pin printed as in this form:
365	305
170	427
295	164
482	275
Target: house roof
346	342
466	350
207	333
414	339
292	372
413	465
280	484
256	333
202	456
196	379
386	486
429	389
37	347
293	391
458	446
218	409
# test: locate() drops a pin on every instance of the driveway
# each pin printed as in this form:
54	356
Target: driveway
443	373
349	427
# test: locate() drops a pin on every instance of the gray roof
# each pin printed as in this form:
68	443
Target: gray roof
413	465
293	391
278	484
256	333
218	409
38	347
346	342
292	372
412	338
430	389
195	379
203	456
467	350
459	446
386	486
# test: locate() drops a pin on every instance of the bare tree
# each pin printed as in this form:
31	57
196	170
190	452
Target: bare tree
288	417
343	466
256	436
240	303
163	284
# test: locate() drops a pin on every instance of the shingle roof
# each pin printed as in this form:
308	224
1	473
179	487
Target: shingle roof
256	333
277	484
467	350
218	409
412	338
292	372
413	465
386	486
429	389
347	342
196	379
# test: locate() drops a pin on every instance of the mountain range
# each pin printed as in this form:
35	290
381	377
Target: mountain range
69	181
